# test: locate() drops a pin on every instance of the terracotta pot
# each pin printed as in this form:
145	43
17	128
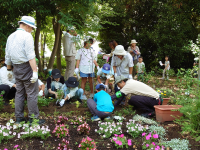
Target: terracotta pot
164	113
165	101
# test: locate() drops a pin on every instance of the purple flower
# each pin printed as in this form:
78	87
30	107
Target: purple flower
143	134
155	136
147	137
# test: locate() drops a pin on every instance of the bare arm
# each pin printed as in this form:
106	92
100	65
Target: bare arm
95	62
77	63
42	87
33	65
98	79
130	70
107	80
114	68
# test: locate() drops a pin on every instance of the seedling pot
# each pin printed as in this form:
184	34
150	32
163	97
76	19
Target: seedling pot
165	101
164	113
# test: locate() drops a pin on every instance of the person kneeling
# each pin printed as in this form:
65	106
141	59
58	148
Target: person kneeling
101	106
71	91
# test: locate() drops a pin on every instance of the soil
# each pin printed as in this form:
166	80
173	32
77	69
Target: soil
52	112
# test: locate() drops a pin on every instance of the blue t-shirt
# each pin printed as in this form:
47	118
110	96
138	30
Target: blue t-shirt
103	101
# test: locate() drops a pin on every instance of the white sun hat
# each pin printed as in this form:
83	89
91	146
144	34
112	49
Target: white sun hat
133	41
30	21
119	50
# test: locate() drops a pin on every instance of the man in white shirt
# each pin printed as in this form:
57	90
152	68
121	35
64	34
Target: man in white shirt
20	52
69	40
7	84
145	97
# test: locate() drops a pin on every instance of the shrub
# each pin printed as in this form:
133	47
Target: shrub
83	128
87	143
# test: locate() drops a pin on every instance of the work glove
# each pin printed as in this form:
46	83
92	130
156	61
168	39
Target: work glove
34	77
76	71
115	75
9	74
40	93
62	102
98	68
130	76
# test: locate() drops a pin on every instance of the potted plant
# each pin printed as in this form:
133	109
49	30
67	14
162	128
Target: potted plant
165	95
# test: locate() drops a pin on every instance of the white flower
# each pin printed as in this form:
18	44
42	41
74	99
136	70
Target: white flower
20	125
104	136
14	127
8	124
95	130
11	121
10	132
14	133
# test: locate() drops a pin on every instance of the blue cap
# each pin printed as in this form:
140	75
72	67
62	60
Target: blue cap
106	68
98	86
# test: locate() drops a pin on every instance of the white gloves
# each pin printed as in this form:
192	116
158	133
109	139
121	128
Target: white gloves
40	93
115	75
130	76
62	102
9	74
76	70
98	68
106	86
34	77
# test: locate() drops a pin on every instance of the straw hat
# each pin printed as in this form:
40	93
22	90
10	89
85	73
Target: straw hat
133	41
119	50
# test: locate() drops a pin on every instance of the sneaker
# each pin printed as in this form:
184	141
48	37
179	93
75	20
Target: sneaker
147	115
40	122
19	120
91	95
107	118
80	101
84	97
95	118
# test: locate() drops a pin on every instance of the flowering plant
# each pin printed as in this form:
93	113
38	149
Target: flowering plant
120	141
61	120
15	147
12	103
151	141
77	120
60	131
64	145
5	133
1	99
165	93
135	130
144	120
83	128
107	129
35	131
87	144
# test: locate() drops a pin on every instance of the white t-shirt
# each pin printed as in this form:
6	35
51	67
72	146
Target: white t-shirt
4	78
40	82
166	63
139	88
141	67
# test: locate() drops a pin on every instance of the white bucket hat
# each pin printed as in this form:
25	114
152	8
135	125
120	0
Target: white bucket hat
119	50
28	20
133	41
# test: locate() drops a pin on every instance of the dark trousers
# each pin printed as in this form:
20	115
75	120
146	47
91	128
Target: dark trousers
9	92
93	108
144	103
23	74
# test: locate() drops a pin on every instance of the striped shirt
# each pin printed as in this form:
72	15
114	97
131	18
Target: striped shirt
19	47
139	88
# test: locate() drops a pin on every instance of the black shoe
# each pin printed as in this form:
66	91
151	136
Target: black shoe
19	120
40	122
147	115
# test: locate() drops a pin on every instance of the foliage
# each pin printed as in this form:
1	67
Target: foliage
83	128
1	100
60	131
144	120
42	101
64	145
177	144
159	130
61	120
135	130
100	60
12	103
5	133
120	141
60	94
125	111
77	104
76	120
165	93
151	141
107	129
87	143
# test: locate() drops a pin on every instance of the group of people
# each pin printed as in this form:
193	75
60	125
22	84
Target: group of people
20	76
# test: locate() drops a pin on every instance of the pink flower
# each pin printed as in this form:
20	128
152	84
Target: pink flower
143	134
147	137
158	147
129	142
120	143
147	145
16	146
122	135
115	135
155	136
153	143
5	149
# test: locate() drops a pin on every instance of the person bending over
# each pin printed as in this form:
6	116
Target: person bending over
145	97
71	91
101	106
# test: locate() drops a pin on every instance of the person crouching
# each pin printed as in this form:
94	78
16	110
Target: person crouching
101	106
71	91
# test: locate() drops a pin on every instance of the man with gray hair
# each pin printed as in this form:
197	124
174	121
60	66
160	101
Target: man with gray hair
69	51
20	52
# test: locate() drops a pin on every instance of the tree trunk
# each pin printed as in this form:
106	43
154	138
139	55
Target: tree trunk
53	54
37	35
58	56
43	50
